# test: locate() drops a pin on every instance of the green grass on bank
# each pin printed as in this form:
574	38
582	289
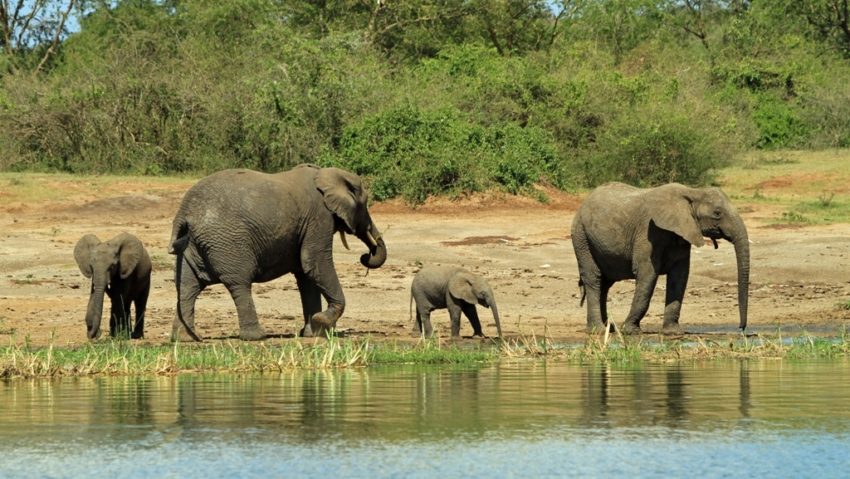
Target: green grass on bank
126	359
798	187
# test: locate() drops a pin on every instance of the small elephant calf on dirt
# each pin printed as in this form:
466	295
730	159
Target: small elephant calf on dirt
437	287
121	268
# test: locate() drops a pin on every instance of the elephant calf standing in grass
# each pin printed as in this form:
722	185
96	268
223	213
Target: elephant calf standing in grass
121	268
622	232
437	287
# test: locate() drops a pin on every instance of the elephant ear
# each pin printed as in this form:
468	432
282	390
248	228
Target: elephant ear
460	287
676	215
129	253
342	192
83	253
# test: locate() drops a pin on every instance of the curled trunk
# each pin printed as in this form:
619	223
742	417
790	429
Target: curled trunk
377	254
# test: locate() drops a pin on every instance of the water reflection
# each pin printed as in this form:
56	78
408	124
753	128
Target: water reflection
397	404
490	416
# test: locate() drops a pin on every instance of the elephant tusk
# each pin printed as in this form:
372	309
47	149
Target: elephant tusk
344	241
371	239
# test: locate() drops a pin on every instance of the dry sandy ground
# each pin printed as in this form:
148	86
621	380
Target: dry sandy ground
799	275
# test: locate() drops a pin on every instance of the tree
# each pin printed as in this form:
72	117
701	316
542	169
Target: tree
32	30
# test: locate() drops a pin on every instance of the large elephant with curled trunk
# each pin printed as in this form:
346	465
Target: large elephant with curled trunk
622	232
239	227
121	269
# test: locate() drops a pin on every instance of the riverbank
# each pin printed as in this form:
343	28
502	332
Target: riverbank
123	358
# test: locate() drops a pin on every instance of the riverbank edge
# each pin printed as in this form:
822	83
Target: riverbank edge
125	358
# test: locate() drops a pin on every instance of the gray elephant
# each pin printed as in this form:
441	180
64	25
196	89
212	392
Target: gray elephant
121	268
622	232
437	287
239	227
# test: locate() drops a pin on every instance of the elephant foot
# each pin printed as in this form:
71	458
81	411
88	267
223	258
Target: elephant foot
671	328
328	317
182	336
593	328
630	328
252	333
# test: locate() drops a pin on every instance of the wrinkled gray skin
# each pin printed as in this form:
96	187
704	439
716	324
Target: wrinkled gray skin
121	268
437	287
622	232
239	227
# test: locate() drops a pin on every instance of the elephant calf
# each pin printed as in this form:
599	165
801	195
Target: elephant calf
437	287
121	268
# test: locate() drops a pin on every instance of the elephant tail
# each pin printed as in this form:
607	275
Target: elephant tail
179	237
410	308
583	292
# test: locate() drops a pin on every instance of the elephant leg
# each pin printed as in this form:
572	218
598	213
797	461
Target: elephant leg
590	278
454	316
423	322
311	304
141	304
677	281
249	326
604	287
189	286
320	270
125	317
644	287
116	315
595	295
471	313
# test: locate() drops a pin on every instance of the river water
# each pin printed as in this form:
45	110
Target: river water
526	419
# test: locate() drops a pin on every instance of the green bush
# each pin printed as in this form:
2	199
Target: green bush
415	153
651	151
778	124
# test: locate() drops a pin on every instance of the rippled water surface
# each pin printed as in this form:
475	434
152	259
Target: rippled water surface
715	419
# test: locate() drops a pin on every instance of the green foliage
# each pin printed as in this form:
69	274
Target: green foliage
650	150
778	124
415	153
429	97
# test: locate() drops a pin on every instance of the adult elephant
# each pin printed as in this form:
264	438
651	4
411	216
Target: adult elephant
622	232
239	227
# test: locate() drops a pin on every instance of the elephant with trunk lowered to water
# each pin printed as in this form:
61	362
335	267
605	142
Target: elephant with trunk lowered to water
437	287
120	268
622	232
239	227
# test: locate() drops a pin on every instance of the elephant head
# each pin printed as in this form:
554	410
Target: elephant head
102	261
345	196
474	289
693	213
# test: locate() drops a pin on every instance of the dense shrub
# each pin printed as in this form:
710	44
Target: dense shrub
424	98
778	124
415	153
651	151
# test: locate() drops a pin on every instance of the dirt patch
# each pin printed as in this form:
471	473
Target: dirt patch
799	275
475	240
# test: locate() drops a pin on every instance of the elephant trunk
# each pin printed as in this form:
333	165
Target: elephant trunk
95	311
742	256
377	254
495	311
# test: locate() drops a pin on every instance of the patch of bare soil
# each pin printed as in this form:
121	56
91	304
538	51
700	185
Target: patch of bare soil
799	276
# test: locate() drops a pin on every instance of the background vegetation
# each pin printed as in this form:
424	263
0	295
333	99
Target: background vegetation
424	97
